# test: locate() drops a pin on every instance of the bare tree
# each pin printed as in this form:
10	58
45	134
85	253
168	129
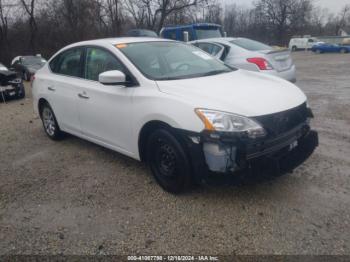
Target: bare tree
29	7
3	23
115	14
342	19
284	16
153	13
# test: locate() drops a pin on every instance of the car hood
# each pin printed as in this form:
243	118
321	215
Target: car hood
241	92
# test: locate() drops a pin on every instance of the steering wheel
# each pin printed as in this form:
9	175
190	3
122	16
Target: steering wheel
179	67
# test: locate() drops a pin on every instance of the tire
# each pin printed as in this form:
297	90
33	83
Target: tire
168	161
22	92
50	124
343	51
318	51
294	48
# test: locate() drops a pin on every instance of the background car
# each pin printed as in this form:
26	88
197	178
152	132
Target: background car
2	67
250	55
26	66
10	85
301	43
330	48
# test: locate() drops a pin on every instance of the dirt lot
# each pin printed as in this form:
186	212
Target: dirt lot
73	197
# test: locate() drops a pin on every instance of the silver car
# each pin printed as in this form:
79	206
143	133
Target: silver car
250	55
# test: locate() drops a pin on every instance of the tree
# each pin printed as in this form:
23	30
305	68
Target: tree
29	7
3	23
115	14
284	17
341	20
153	13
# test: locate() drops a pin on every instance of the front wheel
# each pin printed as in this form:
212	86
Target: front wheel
318	51
168	161
50	123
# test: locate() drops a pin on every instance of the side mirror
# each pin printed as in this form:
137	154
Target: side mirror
114	77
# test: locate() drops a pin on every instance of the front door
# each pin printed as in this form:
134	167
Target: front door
105	109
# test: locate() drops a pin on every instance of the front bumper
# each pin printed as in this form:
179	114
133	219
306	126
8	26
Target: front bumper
12	89
226	154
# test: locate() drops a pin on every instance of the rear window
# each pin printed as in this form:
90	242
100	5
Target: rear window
250	44
204	33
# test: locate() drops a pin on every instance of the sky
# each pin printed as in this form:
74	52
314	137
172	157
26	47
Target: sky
334	6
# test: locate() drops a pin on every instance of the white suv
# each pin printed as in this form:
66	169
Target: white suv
170	104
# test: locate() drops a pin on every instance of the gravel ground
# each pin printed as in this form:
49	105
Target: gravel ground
73	197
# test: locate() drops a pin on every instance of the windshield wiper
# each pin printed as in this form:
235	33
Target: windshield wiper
215	72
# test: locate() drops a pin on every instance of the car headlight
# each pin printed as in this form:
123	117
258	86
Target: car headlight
227	122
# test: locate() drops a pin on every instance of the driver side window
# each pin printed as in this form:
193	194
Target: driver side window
99	61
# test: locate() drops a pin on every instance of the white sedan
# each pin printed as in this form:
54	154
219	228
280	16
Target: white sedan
250	55
170	104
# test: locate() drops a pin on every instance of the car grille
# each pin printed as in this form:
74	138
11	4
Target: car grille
279	123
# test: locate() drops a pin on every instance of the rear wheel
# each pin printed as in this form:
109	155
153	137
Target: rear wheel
50	123
294	48
318	51
168	161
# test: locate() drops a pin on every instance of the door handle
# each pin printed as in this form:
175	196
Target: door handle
50	88
83	96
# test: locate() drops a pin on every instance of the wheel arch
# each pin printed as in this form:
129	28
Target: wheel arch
41	103
144	134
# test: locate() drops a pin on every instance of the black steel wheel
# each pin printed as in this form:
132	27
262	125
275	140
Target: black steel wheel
168	161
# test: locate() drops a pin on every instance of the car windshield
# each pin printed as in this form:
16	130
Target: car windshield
171	60
250	44
208	33
33	60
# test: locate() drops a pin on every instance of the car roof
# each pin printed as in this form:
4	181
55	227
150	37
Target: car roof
120	40
219	39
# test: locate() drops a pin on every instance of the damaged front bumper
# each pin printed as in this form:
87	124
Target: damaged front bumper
12	88
227	153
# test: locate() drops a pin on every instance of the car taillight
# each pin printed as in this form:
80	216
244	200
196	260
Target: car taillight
261	63
32	78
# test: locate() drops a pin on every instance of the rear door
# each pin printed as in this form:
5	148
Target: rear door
62	87
104	110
